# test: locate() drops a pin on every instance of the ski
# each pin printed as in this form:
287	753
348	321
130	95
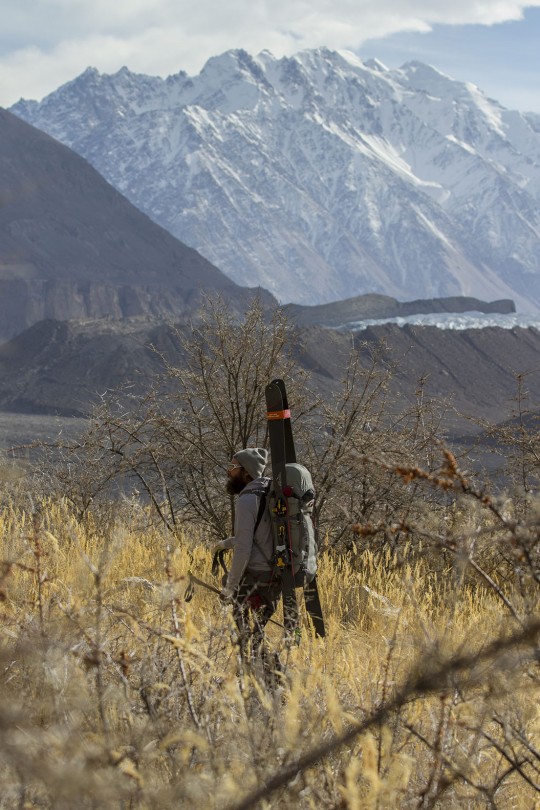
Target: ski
313	606
282	452
277	415
290	453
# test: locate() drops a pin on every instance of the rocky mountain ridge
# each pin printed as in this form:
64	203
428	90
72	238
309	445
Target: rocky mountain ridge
320	177
367	307
62	368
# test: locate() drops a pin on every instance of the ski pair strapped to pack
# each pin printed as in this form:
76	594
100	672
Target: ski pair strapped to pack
289	515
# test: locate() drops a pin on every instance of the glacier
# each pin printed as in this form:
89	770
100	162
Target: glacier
451	320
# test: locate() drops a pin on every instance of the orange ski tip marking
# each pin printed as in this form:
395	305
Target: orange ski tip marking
278	415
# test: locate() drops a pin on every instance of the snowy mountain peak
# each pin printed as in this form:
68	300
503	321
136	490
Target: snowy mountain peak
319	176
375	64
89	73
426	77
231	63
464	97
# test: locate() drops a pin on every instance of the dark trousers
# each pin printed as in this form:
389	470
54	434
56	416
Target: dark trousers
256	600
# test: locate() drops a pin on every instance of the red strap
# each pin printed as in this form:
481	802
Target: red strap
278	415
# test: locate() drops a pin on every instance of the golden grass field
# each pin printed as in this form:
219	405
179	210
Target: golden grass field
116	693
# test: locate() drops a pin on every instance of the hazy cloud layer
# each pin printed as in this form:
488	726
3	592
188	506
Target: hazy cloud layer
44	43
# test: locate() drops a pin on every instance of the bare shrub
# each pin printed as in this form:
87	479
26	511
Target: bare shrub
172	445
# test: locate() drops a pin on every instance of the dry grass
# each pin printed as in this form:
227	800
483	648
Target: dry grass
116	693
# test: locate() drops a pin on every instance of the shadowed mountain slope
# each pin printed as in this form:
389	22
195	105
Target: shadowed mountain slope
71	246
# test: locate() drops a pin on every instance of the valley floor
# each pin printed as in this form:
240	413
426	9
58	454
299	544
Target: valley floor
22	430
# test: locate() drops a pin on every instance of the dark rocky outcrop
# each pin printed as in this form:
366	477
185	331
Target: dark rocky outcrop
62	368
374	306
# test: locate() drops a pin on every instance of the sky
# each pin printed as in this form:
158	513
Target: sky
491	43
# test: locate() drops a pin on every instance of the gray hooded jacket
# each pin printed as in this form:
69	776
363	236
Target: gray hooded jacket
250	553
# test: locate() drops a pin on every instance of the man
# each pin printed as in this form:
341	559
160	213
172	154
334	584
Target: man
251	584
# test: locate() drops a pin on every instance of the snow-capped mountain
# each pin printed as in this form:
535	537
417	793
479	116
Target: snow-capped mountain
318	176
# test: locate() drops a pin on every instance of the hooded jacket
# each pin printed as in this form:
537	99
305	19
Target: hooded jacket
250	553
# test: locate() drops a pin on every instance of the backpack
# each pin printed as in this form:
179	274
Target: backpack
300	500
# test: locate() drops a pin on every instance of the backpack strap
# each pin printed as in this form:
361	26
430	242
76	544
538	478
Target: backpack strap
261	493
260	513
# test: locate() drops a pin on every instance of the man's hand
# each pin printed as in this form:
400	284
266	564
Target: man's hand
221	546
226	596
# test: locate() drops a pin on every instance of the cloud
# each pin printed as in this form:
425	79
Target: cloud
44	43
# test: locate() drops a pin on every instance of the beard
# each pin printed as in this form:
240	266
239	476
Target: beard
234	486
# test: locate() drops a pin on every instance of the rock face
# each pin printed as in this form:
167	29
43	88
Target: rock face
318	176
72	247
